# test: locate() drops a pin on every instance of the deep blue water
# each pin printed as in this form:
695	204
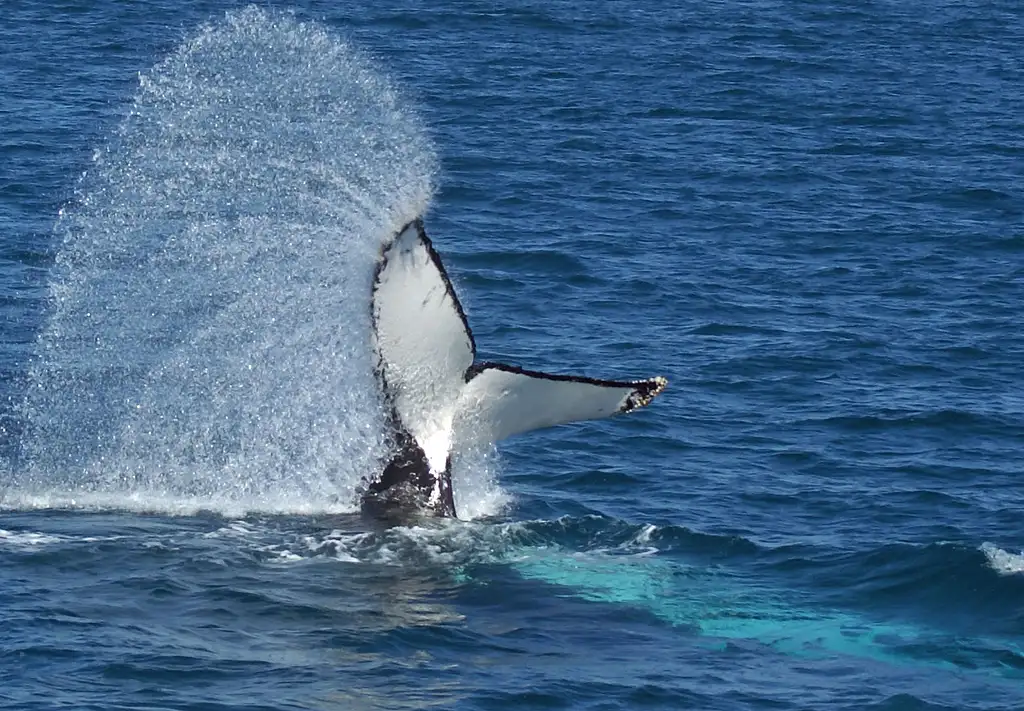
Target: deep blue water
807	215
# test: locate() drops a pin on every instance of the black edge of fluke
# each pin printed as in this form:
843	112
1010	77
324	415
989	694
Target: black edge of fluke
382	262
396	492
644	391
398	489
449	287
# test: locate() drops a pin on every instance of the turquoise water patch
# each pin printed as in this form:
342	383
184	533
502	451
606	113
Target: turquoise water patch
718	605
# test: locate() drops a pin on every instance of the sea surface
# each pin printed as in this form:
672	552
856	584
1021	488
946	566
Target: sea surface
808	216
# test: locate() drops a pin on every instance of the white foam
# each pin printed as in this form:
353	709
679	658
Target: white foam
445	542
27	539
643	536
1003	562
38	539
450	543
146	501
234	529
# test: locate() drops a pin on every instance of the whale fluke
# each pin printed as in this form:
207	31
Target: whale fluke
436	392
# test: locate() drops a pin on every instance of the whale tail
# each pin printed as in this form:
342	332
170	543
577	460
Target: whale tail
426	366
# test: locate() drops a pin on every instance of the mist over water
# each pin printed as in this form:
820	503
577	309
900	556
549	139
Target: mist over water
207	344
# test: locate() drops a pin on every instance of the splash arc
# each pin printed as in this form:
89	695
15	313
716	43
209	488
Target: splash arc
438	395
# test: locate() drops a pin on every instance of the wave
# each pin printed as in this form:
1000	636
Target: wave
1003	562
661	573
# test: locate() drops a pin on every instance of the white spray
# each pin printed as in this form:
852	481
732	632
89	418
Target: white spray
208	340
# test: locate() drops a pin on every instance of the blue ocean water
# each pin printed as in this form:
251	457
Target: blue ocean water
808	216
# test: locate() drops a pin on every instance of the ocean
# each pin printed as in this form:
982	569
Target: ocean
808	216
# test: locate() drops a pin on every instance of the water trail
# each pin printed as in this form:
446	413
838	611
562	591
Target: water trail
208	337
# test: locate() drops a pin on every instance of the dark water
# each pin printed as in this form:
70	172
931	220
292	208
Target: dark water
808	216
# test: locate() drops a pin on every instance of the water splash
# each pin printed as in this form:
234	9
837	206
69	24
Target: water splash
207	344
1003	562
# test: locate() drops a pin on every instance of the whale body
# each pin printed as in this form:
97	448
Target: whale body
437	394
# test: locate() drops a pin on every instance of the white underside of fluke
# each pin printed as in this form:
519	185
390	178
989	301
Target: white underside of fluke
504	401
426	356
423	345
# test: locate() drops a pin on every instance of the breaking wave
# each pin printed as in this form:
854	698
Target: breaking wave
1003	562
